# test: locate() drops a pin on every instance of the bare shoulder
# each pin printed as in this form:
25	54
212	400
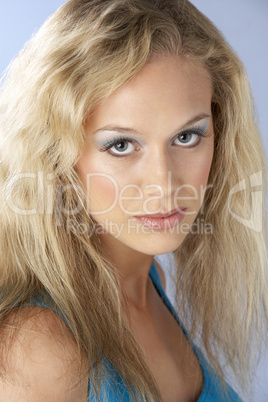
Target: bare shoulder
40	359
161	274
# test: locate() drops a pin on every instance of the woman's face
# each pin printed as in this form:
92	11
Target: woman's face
148	150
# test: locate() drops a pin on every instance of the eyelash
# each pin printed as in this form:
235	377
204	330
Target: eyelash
197	130
111	143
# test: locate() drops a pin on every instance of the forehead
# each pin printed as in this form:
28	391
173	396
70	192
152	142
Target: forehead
165	87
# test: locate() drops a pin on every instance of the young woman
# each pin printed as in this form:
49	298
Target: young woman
126	129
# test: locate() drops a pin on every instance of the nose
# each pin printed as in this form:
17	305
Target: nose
158	174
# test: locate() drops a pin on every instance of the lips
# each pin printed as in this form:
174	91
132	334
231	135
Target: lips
165	215
162	221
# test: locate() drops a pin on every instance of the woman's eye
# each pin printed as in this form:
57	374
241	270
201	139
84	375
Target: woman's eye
122	147
188	139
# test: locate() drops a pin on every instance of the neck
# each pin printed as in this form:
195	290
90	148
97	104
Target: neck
133	268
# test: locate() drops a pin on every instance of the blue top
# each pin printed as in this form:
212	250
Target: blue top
113	389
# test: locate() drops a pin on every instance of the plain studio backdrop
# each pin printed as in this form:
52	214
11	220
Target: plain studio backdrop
244	25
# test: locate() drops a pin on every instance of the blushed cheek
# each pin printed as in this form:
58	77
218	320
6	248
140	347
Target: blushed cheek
202	174
100	187
102	193
198	169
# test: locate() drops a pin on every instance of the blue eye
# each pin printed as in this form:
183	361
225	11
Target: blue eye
122	148
186	139
190	137
119	147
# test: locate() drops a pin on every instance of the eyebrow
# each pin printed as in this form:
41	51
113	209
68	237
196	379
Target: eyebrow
132	131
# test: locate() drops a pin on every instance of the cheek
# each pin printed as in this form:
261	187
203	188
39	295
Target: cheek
101	189
102	193
194	181
202	173
101	183
202	164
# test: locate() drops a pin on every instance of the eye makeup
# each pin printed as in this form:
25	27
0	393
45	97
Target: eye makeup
114	141
197	131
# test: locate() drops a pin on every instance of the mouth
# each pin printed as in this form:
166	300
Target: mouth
164	215
162	221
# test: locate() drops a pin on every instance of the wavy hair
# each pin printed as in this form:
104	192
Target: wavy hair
82	54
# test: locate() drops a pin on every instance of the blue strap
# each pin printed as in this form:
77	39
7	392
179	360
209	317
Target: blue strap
212	387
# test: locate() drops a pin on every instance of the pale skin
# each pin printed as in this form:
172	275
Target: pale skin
166	98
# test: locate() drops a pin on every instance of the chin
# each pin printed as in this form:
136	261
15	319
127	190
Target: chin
158	246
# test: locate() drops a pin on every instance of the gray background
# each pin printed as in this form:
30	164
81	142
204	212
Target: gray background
243	23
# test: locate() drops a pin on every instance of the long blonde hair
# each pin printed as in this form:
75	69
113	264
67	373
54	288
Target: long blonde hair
84	52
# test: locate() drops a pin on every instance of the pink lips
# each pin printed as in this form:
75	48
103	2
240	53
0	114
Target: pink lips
163	221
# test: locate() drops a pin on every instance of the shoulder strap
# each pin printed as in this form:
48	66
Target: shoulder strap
154	275
44	301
